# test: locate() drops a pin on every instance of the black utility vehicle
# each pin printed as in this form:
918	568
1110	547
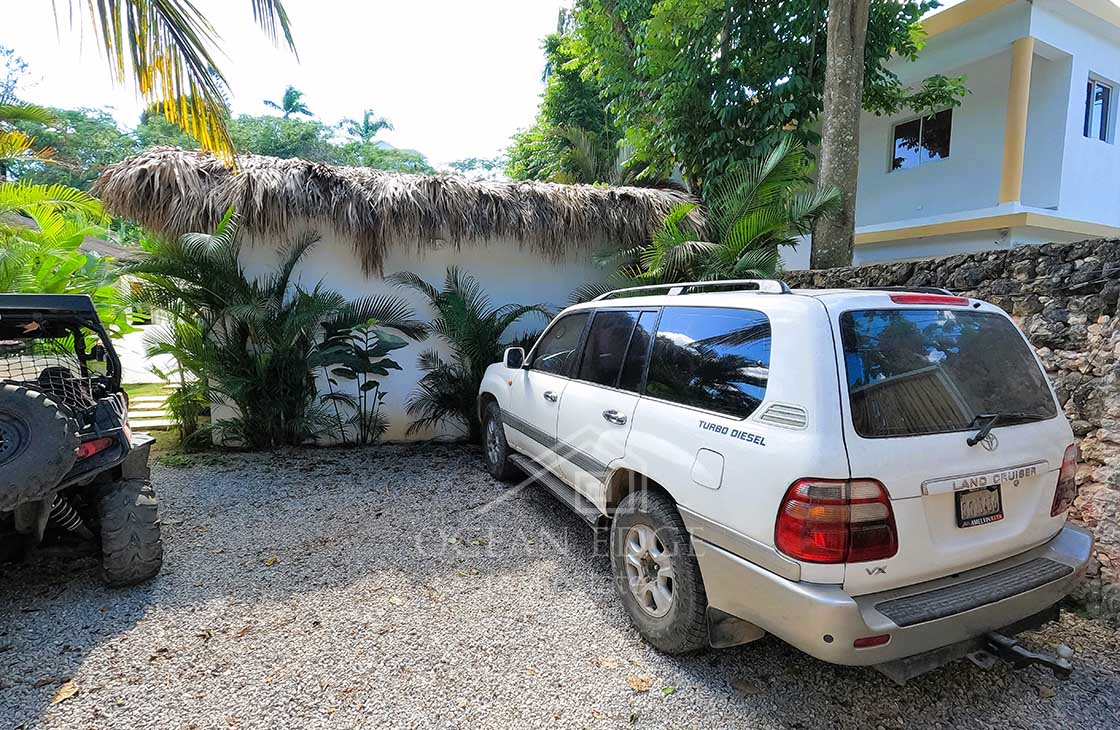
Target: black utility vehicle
69	465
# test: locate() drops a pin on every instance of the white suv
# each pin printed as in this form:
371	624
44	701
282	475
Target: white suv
878	477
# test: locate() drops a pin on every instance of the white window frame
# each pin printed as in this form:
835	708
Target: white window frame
1109	120
921	119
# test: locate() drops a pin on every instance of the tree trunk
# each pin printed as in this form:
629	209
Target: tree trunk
834	236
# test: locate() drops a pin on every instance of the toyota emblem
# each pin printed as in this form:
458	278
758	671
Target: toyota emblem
990	442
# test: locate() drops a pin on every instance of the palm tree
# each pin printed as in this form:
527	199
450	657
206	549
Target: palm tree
367	128
254	340
475	333
291	103
587	164
15	145
751	214
167	48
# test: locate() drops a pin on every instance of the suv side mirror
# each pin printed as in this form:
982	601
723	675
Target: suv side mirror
514	357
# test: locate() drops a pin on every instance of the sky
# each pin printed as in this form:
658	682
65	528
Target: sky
455	78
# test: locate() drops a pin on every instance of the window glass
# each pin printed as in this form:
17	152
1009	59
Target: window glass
913	372
606	346
906	144
554	351
1098	100
715	359
922	140
638	353
936	129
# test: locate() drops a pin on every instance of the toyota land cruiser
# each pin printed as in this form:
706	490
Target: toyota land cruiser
878	477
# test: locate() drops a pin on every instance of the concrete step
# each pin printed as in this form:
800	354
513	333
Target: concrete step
151	424
148	399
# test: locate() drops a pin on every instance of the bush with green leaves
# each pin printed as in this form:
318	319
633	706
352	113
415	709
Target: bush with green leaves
475	332
255	341
358	355
750	215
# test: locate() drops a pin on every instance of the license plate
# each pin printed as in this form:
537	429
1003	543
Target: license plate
979	506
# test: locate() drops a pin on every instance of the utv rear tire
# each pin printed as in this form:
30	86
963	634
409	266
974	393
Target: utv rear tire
131	547
38	446
680	625
495	449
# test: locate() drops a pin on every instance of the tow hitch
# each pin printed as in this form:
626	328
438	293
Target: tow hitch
1018	656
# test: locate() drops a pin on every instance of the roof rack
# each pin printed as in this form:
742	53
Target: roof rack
914	289
763	286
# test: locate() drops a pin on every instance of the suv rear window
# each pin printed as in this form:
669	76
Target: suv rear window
922	371
715	359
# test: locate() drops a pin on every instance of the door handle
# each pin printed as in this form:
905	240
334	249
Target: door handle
615	417
550	396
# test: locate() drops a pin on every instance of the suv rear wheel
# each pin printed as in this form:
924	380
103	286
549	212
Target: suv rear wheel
131	546
656	574
38	446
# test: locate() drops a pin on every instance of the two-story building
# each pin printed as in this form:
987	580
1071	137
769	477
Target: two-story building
1029	156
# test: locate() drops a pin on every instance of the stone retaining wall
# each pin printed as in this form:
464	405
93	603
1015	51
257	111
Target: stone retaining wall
1064	296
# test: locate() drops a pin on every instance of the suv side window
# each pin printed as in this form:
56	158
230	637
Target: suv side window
605	350
555	348
715	359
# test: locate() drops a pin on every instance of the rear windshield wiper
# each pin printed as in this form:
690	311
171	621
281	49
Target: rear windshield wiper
988	421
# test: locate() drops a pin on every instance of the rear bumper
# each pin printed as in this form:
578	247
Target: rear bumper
823	620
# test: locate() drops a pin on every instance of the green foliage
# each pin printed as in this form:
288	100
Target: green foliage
254	341
475	333
706	84
572	100
357	354
290	103
41	230
751	214
479	167
84	141
283	137
379	157
366	128
155	131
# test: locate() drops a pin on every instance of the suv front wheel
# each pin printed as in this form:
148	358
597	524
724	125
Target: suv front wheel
494	447
656	574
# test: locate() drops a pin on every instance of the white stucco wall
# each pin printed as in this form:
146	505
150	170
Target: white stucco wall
967	179
507	273
1090	177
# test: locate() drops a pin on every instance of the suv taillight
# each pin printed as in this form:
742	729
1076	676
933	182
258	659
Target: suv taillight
830	521
1067	482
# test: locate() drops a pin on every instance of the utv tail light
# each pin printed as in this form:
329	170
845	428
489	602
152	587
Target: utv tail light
89	448
945	299
1066	491
830	521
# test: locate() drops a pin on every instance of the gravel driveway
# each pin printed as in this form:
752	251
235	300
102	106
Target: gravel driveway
386	587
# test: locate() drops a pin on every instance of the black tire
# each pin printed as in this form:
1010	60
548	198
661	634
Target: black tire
131	546
495	449
683	628
38	445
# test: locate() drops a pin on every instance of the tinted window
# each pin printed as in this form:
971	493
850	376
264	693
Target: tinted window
922	140
554	351
638	353
913	372
716	359
606	346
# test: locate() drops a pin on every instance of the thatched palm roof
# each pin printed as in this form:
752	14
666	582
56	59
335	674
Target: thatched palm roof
172	191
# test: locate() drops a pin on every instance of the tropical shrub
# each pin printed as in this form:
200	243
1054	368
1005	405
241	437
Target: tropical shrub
357	354
750	215
475	332
256	342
